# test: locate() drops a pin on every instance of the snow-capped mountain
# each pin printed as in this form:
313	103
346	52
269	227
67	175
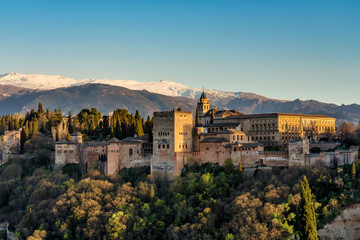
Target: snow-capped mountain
38	81
21	92
48	82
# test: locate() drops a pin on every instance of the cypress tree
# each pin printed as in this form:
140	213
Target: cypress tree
148	125
106	124
197	117
137	115
68	137
124	130
41	109
17	124
3	123
57	137
30	127
240	172
117	132
112	132
212	116
27	129
307	213
23	138
35	126
151	127
152	193
70	127
353	172
11	123
138	128
30	220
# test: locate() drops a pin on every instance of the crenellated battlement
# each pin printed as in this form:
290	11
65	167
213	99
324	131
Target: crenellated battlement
169	113
164	114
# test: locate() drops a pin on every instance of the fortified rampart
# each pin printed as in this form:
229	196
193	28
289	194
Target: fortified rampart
225	134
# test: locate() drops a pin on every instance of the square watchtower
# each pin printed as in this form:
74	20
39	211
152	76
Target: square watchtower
172	134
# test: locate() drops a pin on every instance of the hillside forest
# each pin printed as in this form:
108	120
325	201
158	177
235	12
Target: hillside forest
208	201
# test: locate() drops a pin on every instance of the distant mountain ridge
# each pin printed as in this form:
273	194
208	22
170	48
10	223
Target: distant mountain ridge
48	82
106	98
29	89
9	90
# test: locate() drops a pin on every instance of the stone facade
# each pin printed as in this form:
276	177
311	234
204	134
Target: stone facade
332	159
107	156
269	128
297	152
172	140
9	144
324	146
282	127
218	136
213	114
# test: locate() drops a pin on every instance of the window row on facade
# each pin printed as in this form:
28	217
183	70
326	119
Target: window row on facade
163	146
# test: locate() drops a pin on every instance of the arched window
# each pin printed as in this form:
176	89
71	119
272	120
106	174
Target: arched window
130	152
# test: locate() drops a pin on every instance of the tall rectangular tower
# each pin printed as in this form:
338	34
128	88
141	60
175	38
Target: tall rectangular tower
172	137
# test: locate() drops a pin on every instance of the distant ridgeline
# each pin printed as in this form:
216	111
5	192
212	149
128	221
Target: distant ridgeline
147	98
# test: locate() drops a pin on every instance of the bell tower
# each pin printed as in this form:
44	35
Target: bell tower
203	105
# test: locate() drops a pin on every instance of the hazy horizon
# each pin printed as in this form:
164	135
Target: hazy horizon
90	78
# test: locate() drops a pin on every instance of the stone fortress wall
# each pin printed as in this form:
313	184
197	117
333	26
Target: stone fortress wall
179	139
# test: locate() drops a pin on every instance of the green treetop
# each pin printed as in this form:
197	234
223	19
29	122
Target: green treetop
68	137
353	172
240	172
307	213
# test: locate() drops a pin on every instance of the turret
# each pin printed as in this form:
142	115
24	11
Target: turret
76	137
203	105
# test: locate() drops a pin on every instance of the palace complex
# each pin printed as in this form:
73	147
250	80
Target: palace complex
212	136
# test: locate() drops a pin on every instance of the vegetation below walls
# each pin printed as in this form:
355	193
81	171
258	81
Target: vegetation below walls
205	202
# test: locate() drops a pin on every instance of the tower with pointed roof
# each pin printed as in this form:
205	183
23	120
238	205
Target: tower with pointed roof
203	105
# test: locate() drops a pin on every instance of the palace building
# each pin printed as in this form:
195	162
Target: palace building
217	135
269	128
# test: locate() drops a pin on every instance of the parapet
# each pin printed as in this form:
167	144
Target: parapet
164	114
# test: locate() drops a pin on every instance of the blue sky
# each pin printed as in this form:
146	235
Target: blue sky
280	49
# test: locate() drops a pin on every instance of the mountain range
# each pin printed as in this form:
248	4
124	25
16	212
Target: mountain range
21	92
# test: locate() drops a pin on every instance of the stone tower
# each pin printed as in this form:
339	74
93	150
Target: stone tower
172	140
76	137
203	105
